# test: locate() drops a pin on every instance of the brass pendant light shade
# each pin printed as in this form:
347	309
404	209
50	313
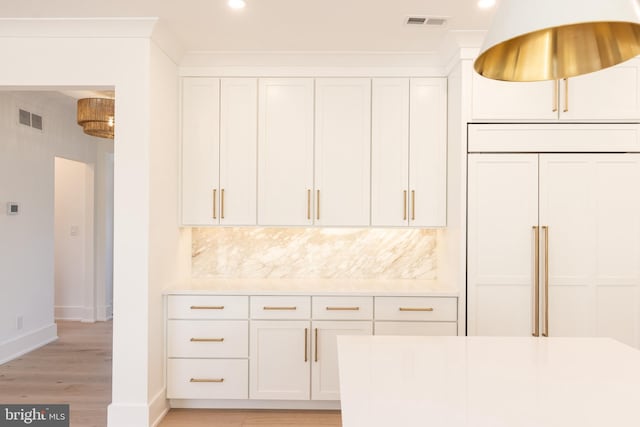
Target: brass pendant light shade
97	116
533	40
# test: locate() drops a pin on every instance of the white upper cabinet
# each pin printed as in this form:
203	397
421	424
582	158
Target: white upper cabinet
342	151
285	151
612	94
390	152
200	150
409	152
219	142
238	151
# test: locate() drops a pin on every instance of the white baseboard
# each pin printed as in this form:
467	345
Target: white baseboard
105	312
123	415
75	313
256	404
158	407
25	343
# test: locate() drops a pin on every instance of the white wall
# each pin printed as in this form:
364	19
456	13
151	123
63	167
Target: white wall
73	240
169	246
46	53
27	249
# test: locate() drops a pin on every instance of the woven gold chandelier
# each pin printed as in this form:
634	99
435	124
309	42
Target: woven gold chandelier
97	116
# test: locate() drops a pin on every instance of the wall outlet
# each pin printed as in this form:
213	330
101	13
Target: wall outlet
19	322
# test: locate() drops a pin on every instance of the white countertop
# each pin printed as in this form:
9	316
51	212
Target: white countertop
396	287
488	382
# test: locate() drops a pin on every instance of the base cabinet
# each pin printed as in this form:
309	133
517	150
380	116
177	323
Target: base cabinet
281	348
279	360
325	384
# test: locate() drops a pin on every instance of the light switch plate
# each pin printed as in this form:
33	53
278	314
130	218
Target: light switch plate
13	208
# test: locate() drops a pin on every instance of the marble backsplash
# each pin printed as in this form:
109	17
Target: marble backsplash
323	253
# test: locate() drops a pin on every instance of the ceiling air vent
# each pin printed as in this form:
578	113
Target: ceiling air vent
431	21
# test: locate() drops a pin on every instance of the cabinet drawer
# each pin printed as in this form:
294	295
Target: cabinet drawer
342	308
416	328
207	379
208	307
280	307
208	338
416	308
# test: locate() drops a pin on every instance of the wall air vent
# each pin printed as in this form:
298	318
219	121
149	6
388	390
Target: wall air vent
24	117
29	119
416	20
431	21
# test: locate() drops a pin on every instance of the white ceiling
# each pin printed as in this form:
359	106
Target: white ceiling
279	25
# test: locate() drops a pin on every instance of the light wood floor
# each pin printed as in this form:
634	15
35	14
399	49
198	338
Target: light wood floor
76	369
235	418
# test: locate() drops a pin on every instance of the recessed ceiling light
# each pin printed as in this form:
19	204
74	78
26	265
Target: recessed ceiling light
486	4
237	4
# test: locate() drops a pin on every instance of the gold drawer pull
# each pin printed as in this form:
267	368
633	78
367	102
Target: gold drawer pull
207	339
343	308
207	307
206	380
279	308
416	308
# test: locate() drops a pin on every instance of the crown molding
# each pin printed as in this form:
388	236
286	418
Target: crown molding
77	27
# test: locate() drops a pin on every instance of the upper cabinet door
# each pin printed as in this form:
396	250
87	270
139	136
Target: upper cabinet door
428	153
390	152
285	151
610	94
512	101
238	151
200	150
343	151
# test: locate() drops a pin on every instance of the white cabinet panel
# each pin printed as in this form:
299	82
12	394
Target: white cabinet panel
503	208
342	308
390	152
610	94
285	151
280	360
238	151
324	373
208	338
200	126
342	151
207	379
428	153
589	244
416	308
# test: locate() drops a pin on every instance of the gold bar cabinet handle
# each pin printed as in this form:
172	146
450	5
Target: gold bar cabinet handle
343	308
306	344
318	204
207	307
555	96
566	95
545	330
536	282
316	349
222	203
279	308
404	209
308	204
416	308
413	205
207	340
206	380
214	204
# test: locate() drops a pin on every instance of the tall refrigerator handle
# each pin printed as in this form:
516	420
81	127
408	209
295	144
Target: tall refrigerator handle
545	327
536	282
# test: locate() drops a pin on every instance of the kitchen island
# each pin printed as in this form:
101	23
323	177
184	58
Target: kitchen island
488	382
